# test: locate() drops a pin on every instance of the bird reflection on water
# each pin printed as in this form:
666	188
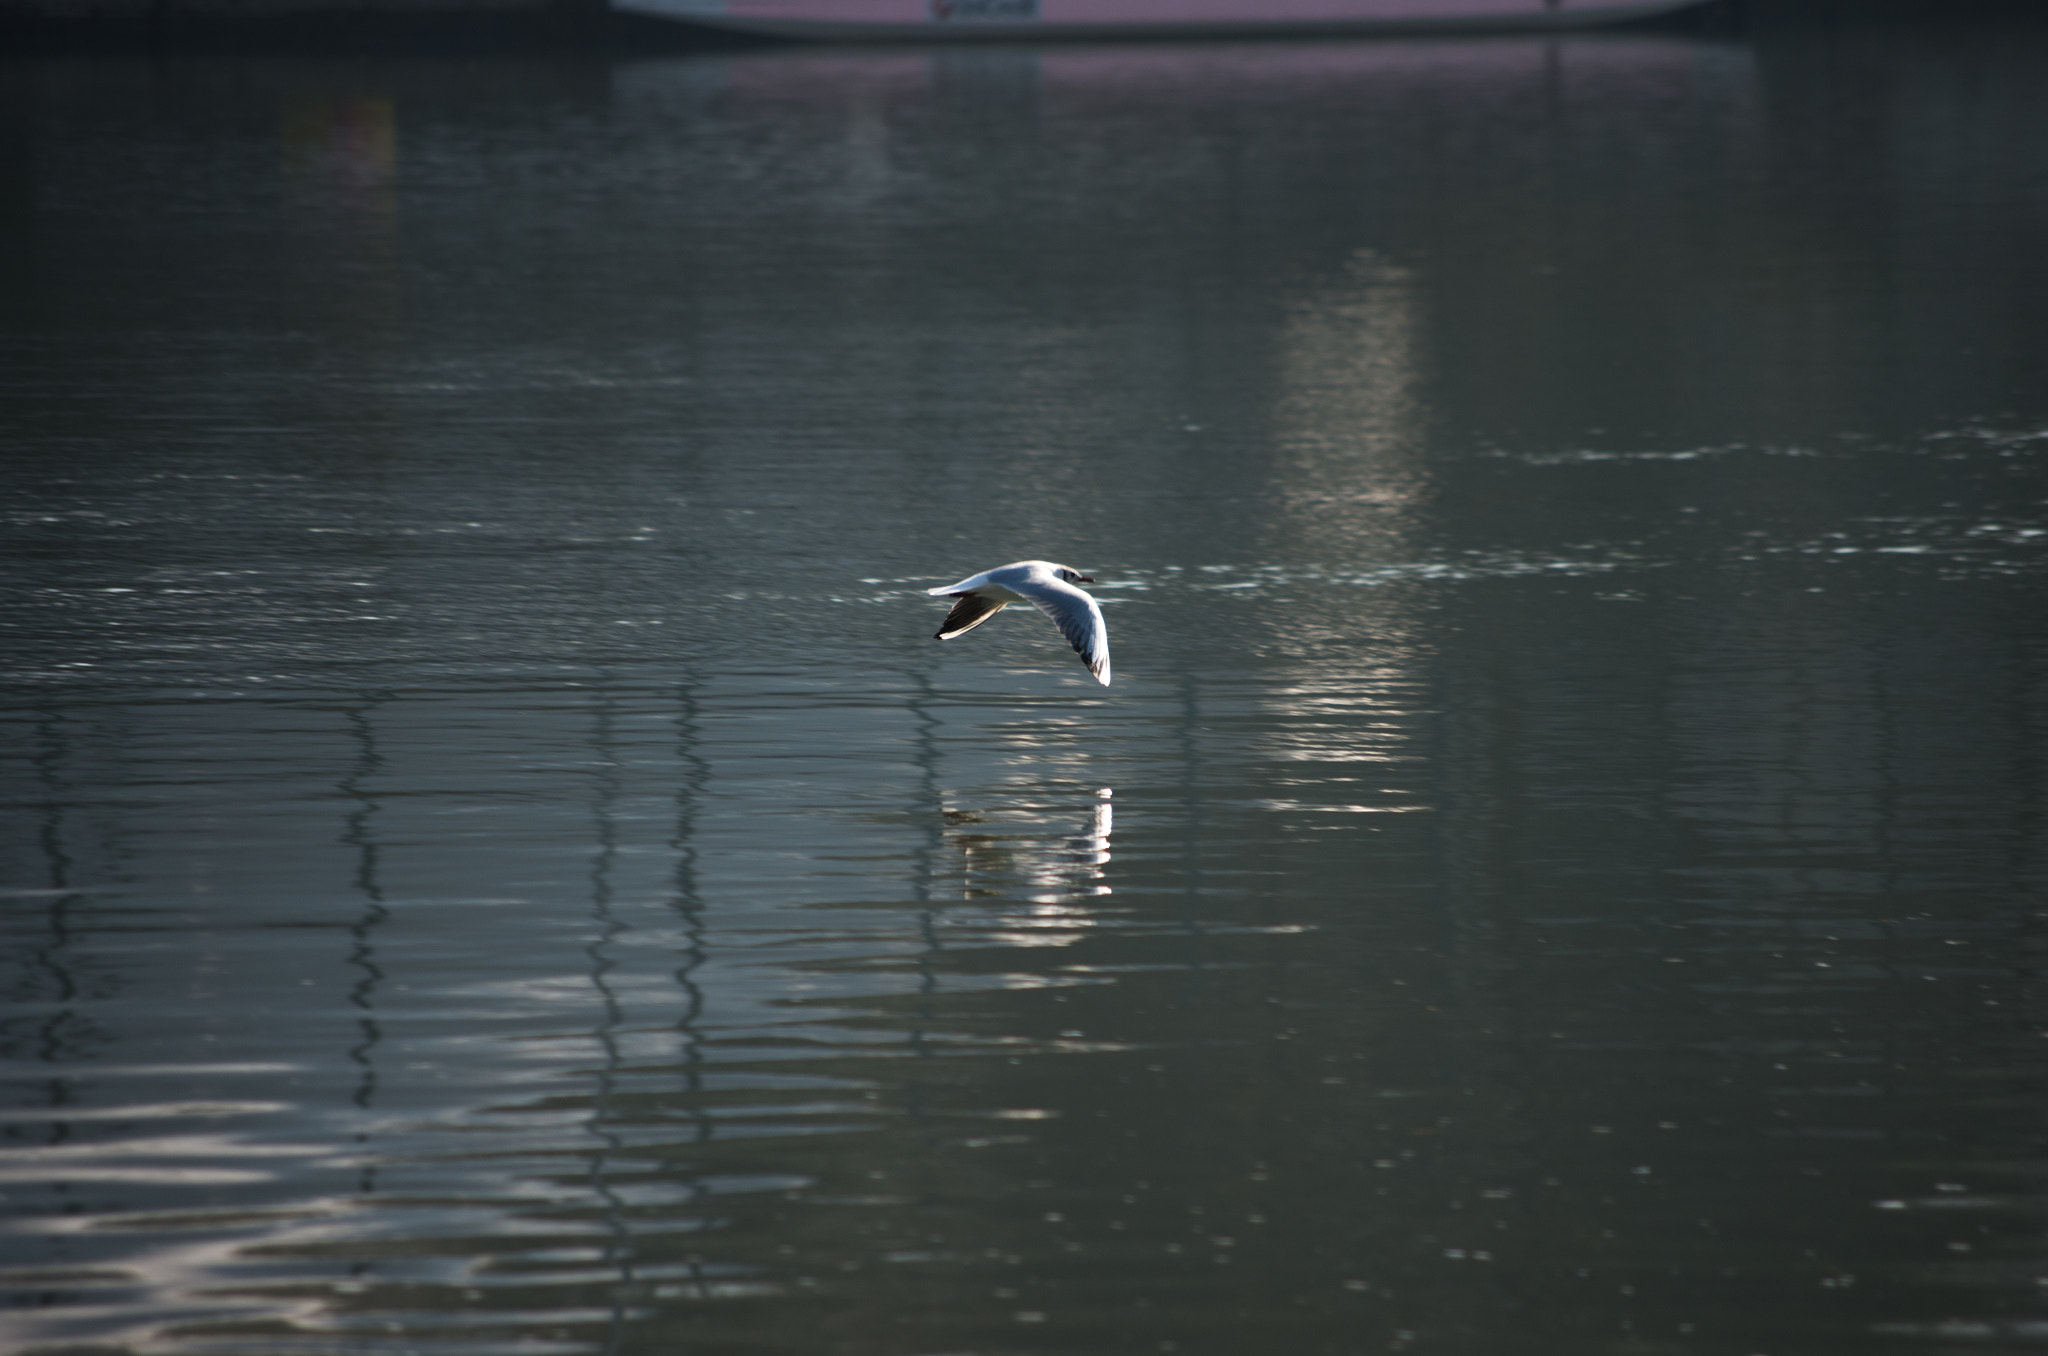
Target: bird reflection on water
1052	871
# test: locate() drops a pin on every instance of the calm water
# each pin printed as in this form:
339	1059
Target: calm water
494	862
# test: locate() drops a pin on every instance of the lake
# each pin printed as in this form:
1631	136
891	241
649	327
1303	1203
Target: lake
494	860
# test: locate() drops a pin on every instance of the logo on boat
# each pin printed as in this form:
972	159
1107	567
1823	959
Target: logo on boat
985	11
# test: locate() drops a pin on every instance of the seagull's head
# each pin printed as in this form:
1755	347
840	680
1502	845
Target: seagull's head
1071	576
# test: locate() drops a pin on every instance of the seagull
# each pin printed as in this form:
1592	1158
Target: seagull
1046	586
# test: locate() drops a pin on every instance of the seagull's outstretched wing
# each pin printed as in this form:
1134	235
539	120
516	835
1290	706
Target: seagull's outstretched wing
1077	616
969	611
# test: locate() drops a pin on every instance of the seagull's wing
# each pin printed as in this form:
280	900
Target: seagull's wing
967	585
1077	616
969	611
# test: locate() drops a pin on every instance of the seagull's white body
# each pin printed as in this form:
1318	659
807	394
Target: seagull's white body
1047	587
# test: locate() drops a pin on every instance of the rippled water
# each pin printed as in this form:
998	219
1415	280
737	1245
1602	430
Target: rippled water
494	861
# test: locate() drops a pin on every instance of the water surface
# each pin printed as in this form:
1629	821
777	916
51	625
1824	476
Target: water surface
494	861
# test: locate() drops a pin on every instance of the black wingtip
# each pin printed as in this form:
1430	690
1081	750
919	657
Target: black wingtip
969	611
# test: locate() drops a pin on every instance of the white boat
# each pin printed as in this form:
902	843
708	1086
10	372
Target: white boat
954	20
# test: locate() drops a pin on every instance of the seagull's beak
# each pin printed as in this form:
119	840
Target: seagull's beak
1084	579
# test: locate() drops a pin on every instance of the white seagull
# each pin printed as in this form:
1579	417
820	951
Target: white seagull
1046	586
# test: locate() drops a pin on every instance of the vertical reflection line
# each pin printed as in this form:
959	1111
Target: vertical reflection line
1887	811
359	832
52	747
930	810
688	902
618	1250
1197	1068
1191	798
2024	775
2024	835
1191	819
52	750
1880	812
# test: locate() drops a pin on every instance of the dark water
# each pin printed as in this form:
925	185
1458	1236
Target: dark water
494	862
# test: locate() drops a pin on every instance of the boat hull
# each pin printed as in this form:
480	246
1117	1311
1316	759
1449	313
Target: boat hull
1011	20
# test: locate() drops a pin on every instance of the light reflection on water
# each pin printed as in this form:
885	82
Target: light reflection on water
493	861
518	1099
630	1061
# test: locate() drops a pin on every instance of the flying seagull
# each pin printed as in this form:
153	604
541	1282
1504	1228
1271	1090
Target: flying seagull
1046	586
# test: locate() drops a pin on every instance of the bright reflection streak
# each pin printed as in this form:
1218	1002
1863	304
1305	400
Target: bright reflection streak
1348	420
1056	874
1351	480
102	1162
130	1313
